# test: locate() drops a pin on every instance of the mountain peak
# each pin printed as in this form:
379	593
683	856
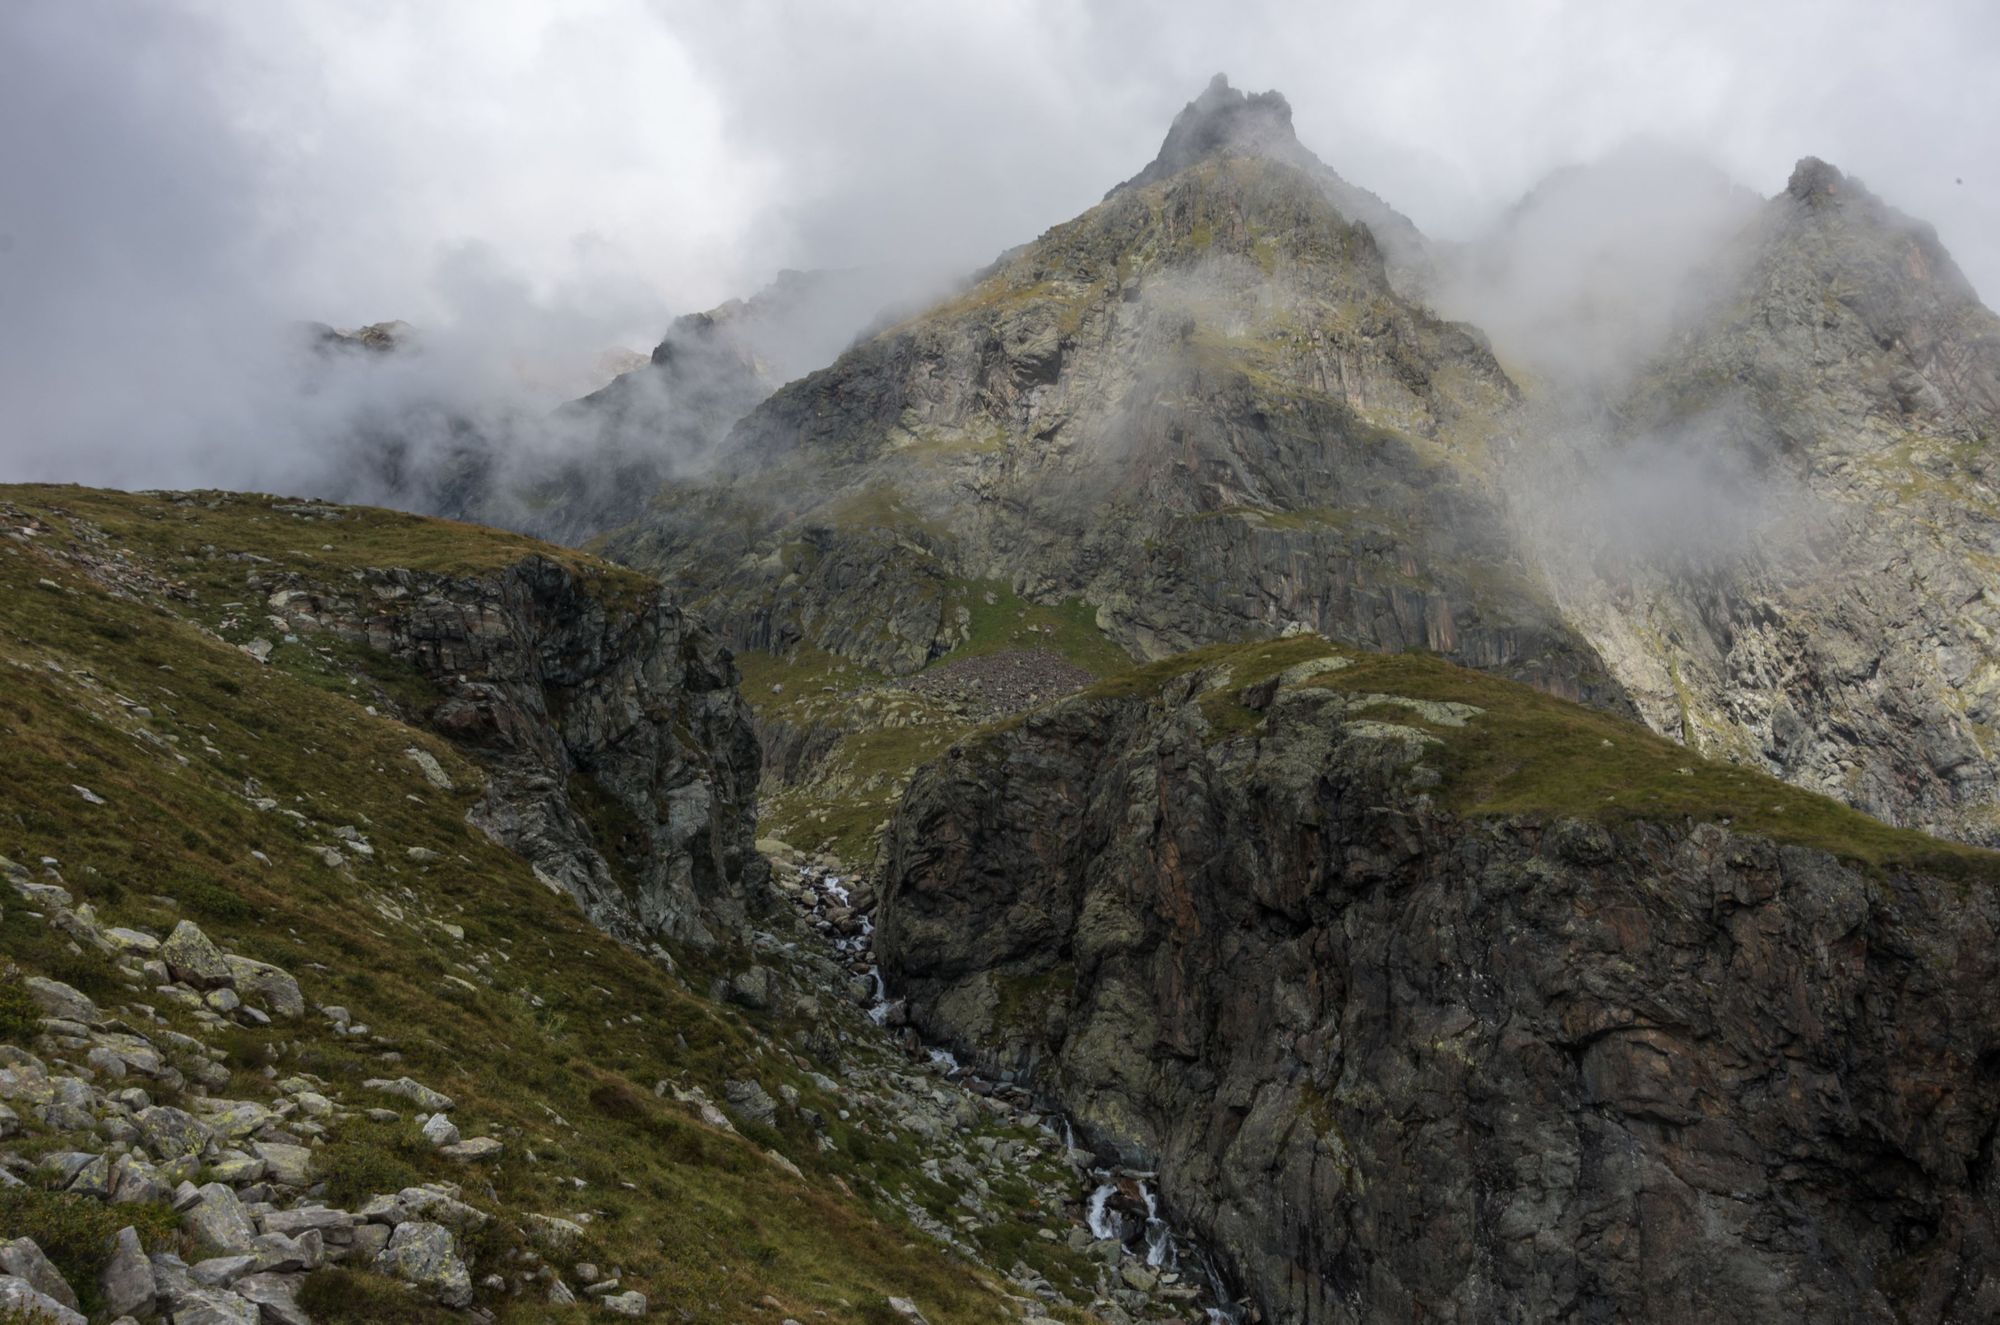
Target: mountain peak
1224	120
1814	182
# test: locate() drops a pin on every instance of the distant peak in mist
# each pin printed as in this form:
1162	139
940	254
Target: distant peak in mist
1638	177
1815	182
377	337
1587	275
1224	121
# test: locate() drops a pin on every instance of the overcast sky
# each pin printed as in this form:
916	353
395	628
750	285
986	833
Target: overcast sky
572	173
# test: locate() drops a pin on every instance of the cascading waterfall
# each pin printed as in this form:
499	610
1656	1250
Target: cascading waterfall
1155	1240
1098	1217
1159	1239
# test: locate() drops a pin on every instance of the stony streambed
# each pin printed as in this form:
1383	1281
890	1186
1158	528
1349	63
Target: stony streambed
1120	1218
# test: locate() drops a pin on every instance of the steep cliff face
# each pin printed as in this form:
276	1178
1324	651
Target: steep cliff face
1201	408
617	756
623	764
1837	407
1436	999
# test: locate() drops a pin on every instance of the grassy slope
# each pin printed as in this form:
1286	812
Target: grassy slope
884	739
546	1033
1528	753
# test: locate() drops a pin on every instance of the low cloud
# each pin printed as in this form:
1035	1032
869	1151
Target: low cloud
532	186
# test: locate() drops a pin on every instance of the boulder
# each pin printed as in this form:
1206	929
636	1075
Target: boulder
278	1253
126	1282
292	1223
59	1000
215	1306
193	960
236	1168
625	1304
752	988
436	1204
287	1164
428	765
134	1182
749	1102
132	941
20	1301
430	1101
425	1255
23	1259
276	1296
221	1271
268	985
554	1234
218	1222
239	1120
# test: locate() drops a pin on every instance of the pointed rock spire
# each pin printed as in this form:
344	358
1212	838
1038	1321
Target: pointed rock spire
1814	182
1224	120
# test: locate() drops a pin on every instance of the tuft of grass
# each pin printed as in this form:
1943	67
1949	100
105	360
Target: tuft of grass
368	1158
20	1016
76	1232
335	1295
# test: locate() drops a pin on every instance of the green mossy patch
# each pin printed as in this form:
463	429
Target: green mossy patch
1001	620
1532	754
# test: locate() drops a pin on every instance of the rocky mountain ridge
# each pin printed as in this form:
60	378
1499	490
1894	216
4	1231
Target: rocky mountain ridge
1825	432
1204	411
1201	409
1269	918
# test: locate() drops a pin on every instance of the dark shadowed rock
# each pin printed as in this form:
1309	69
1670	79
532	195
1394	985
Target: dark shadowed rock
1403	1065
589	704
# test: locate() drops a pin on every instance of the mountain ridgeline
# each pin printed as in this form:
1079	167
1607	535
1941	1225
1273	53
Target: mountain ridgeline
1243	765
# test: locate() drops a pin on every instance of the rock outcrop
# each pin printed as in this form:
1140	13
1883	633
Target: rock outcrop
1224	121
1398	1059
1809	467
622	762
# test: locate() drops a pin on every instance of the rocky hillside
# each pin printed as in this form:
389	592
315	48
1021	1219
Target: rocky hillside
303	1012
1745	493
1432	997
1202	409
1812	588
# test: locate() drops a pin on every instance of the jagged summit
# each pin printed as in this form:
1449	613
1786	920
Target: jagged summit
1814	181
1226	122
1223	121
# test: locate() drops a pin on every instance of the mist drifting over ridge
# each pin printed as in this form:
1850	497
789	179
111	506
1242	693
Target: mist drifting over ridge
531	188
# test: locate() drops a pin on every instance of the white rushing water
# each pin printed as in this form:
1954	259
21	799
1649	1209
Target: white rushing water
1097	1217
1159	1238
1154	1241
